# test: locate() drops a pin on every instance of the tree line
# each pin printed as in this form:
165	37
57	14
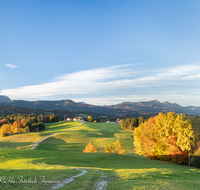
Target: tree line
131	123
18	123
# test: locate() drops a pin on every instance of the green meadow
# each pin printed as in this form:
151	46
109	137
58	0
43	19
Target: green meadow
58	157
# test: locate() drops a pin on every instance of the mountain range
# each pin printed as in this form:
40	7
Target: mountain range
154	106
125	108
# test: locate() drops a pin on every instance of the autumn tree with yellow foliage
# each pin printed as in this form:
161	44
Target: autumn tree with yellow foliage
89	118
90	148
117	148
165	137
5	129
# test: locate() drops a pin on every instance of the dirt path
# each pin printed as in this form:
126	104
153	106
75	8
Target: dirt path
52	135
66	181
102	183
99	185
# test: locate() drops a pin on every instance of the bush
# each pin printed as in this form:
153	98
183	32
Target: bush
90	148
109	149
117	148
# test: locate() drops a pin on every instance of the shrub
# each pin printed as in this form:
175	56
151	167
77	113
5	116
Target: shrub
109	149
90	148
119	148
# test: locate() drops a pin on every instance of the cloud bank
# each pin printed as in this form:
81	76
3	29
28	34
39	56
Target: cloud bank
121	78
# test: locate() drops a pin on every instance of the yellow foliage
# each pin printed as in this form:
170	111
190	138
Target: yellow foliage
89	118
23	122
167	136
6	128
109	149
119	148
95	121
90	148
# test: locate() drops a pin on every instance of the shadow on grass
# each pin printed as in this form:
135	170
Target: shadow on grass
80	159
15	145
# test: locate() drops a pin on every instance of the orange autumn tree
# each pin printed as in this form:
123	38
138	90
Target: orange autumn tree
90	148
165	137
15	128
5	129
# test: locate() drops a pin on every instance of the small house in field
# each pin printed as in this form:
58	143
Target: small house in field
107	121
119	121
112	121
78	119
69	119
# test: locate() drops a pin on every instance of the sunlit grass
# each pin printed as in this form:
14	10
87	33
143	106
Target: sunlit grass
26	140
57	157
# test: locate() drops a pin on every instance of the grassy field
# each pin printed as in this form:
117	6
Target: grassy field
57	158
26	140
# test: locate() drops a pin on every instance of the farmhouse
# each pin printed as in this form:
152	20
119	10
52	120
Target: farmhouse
78	119
119	121
69	119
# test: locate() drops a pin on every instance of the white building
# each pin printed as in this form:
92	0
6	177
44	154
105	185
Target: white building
78	119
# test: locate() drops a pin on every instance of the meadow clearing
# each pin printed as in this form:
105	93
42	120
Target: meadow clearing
60	157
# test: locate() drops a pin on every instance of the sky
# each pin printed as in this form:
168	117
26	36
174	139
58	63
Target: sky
100	52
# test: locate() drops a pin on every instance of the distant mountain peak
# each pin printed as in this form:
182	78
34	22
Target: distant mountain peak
4	98
155	101
166	102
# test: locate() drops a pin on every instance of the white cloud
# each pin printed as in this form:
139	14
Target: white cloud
104	80
11	66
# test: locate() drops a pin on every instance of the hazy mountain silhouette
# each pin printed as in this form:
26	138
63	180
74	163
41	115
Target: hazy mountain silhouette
149	107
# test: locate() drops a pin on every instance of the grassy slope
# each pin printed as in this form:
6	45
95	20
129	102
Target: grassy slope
99	134
57	157
26	140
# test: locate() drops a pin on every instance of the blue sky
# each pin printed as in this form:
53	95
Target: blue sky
100	52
